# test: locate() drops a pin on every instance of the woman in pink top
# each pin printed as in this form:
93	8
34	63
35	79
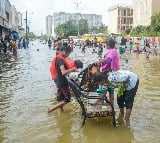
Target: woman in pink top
110	63
111	58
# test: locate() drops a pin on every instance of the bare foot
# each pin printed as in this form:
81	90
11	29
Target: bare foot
47	110
62	110
127	123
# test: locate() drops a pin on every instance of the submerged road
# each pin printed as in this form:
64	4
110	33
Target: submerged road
26	89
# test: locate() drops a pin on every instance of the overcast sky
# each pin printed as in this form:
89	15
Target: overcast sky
39	9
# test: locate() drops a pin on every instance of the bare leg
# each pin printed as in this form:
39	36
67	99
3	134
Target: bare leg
111	98
147	55
101	101
127	115
121	119
122	111
61	108
58	105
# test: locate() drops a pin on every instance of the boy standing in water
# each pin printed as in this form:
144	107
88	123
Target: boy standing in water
58	70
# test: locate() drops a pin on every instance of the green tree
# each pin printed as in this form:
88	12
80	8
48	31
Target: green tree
138	31
67	29
102	29
147	31
60	30
70	29
93	30
22	33
83	26
44	37
32	36
151	30
155	22
127	31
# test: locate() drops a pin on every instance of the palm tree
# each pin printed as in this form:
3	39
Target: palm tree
155	22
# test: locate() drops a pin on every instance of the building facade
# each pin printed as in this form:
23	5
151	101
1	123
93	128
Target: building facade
143	10
49	26
19	20
14	19
62	17
120	18
5	16
10	19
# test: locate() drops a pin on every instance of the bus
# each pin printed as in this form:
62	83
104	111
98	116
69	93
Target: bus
87	37
102	38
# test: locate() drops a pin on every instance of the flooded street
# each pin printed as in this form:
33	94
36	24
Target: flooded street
26	90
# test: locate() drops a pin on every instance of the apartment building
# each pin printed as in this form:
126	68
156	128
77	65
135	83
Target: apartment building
49	22
62	17
10	19
120	18
14	18
143	10
19	14
5	16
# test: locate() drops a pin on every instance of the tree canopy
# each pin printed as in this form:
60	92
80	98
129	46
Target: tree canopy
71	28
155	22
74	28
152	30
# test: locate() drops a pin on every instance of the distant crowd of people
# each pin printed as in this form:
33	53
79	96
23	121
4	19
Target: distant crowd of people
97	46
139	45
9	43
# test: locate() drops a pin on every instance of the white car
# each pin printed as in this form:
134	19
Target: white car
77	41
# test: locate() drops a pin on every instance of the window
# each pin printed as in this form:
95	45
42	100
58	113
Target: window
118	12
124	12
7	15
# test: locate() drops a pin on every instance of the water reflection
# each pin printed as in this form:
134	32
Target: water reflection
27	89
145	118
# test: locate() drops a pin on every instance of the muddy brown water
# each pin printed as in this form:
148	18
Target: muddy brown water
26	89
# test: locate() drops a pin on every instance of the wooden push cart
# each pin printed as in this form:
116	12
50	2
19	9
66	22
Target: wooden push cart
84	89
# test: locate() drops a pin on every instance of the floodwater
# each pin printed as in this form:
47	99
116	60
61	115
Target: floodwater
26	90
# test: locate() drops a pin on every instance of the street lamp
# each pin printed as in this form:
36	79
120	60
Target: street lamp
26	26
26	21
77	6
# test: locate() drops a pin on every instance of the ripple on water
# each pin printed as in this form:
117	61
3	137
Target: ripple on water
27	89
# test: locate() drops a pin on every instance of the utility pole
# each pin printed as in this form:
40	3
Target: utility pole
77	6
26	30
26	26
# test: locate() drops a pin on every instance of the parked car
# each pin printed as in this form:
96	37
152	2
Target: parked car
77	41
